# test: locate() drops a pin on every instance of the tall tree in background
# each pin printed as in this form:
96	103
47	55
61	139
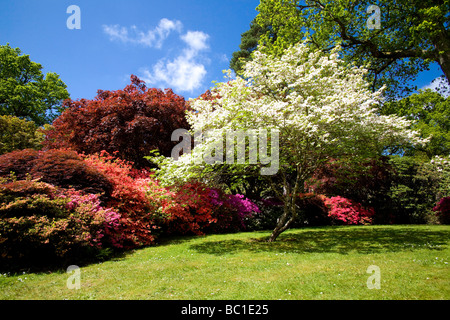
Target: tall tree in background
430	112
25	92
18	134
130	122
249	43
410	34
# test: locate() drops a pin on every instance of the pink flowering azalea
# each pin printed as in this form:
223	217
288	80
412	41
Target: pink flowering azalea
88	207
348	211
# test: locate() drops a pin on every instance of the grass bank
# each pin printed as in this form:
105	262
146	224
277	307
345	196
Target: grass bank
310	263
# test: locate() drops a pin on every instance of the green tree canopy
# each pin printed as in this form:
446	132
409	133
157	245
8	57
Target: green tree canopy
249	43
18	134
430	113
25	92
411	34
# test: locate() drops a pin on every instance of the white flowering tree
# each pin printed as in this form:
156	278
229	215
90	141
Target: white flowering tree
319	107
442	166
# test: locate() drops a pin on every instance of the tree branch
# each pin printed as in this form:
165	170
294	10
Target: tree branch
374	50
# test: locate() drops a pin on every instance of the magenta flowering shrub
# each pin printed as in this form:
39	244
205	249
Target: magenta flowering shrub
244	207
194	208
442	210
346	211
231	211
216	197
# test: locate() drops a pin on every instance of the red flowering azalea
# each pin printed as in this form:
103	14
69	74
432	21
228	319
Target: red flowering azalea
442	210
347	211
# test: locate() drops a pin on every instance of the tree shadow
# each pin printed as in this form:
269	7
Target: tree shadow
40	263
340	240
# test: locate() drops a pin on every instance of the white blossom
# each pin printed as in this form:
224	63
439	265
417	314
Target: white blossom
319	105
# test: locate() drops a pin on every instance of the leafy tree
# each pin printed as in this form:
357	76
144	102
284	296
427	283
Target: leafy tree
130	122
430	112
249	43
319	107
441	165
25	92
416	187
411	35
16	134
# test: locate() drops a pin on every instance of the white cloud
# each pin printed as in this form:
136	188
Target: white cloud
223	58
183	73
150	38
187	71
180	74
440	85
196	40
432	85
116	32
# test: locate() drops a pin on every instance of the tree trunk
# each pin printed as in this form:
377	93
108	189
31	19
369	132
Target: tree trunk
290	203
442	45
287	218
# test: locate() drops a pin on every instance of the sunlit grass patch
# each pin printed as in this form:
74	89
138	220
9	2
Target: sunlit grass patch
310	263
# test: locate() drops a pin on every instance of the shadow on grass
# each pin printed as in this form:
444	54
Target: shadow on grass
340	240
49	264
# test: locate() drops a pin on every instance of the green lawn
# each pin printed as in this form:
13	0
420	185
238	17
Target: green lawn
310	263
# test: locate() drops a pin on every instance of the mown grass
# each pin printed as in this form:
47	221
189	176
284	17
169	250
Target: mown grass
310	263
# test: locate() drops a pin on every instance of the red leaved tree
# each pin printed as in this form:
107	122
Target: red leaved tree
129	122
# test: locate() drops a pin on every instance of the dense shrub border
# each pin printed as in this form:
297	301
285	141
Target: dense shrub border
315	210
48	215
194	208
59	205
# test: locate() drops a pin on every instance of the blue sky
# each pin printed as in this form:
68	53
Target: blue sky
183	45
